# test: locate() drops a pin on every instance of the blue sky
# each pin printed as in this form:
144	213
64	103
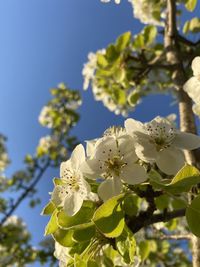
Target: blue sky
43	43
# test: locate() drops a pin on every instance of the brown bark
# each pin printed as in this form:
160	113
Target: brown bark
187	121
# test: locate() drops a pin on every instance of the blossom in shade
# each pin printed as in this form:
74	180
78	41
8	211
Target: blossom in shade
192	86
158	141
73	189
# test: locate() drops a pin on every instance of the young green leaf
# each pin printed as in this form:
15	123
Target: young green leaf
48	209
79	220
52	225
109	217
193	216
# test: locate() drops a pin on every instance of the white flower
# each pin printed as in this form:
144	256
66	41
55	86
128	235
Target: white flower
144	10
89	70
192	86
107	1
114	160
45	118
73	188
158	141
62	254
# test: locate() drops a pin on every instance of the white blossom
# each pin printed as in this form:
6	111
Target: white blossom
45	118
192	86
107	1
143	10
114	160
62	254
89	69
158	141
73	188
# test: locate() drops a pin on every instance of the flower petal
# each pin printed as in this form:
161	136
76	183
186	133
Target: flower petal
132	125
91	168
133	174
72	204
77	157
107	148
196	66
109	188
59	194
126	147
146	151
186	141
170	160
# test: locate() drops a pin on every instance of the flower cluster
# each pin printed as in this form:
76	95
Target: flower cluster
119	158
192	86
112	167
148	12
4	159
145	11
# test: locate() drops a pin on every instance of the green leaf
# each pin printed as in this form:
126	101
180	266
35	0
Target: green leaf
193	216
109	217
52	225
192	26
111	53
123	41
145	249
184	180
92	263
79	262
57	181
82	217
130	205
84	234
101	61
48	209
119	95
126	245
190	5
162	202
64	237
150	33
119	75
133	98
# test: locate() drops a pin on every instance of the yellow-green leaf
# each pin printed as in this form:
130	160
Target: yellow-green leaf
109	217
193	216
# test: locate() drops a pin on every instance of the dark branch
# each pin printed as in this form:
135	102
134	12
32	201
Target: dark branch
145	219
25	193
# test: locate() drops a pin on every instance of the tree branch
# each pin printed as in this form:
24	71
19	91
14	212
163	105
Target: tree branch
25	193
187	119
145	219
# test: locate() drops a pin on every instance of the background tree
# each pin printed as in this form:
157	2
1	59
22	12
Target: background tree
121	75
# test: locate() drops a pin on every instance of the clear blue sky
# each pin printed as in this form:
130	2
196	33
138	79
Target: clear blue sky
43	43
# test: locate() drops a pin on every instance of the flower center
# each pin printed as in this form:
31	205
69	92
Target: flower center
161	135
115	165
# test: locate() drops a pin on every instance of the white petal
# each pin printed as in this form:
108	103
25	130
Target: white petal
132	126
146	151
72	204
196	66
90	147
59	194
78	156
109	188
133	174
196	109
91	168
186	141
66	165
126	147
192	88
170	160
106	149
